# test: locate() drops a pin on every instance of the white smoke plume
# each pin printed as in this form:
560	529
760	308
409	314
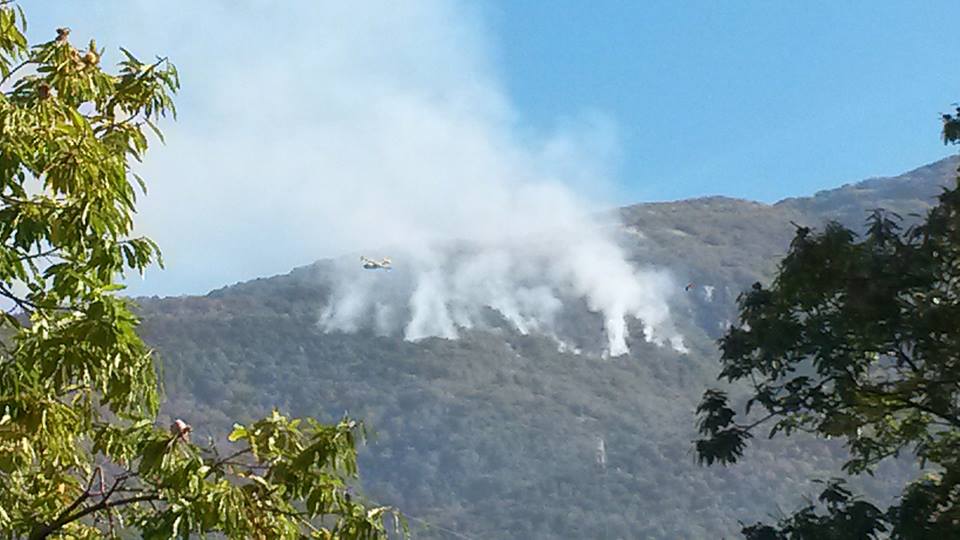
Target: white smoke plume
321	128
524	278
708	292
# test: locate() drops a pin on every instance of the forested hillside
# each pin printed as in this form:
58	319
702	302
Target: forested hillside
499	434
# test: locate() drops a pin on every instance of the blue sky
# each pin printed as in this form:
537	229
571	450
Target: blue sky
315	129
761	100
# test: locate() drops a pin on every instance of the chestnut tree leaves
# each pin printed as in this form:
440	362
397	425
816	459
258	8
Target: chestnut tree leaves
81	454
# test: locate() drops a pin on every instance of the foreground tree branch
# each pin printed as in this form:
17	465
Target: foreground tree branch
80	393
835	302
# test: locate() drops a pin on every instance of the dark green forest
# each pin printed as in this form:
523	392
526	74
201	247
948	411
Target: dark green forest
496	435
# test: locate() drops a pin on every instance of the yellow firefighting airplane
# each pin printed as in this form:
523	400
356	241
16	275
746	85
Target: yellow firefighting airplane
370	264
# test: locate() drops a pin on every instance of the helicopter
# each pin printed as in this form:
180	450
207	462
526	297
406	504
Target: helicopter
371	264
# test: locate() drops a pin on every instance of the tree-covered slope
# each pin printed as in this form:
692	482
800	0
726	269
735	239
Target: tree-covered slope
498	434
910	193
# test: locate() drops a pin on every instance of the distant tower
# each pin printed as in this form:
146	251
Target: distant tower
602	464
601	453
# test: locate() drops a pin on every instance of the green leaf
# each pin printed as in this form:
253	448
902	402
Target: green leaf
239	432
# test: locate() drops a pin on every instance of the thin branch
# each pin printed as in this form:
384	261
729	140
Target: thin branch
907	403
955	421
15	69
906	359
32	256
24	304
85	494
228	461
748	427
27	305
44	532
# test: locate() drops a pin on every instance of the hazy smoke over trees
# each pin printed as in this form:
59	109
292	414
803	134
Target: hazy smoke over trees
329	142
524	277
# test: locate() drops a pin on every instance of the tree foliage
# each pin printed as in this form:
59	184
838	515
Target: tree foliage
857	339
81	455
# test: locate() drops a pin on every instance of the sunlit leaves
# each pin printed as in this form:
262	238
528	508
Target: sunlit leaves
12	41
81	454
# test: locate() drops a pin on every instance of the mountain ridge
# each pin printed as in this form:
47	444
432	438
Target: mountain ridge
495	434
813	209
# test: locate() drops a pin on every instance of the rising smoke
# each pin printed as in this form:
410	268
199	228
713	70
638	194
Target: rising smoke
526	279
365	125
